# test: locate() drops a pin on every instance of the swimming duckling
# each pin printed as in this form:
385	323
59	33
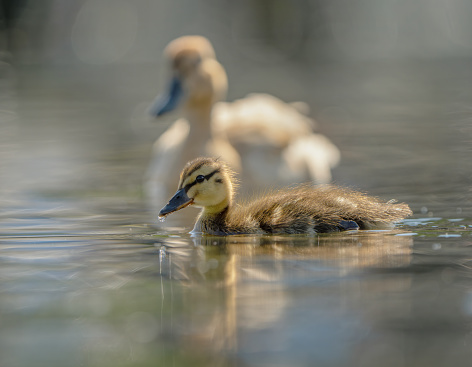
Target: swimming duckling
209	183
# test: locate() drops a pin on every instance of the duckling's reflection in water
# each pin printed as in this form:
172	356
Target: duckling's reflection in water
242	285
346	252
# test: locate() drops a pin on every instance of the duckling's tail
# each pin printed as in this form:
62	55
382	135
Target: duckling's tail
392	214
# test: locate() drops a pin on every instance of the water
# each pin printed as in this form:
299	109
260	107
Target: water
89	278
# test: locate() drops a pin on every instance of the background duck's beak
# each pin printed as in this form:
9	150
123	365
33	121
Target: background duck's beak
168	101
179	201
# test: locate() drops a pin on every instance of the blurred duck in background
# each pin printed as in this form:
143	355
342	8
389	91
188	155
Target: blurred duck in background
269	142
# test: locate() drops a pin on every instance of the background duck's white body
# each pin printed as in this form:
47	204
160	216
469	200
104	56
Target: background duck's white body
275	141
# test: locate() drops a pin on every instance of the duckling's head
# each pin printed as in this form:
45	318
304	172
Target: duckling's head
204	182
198	79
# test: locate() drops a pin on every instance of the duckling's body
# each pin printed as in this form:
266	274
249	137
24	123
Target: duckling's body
208	183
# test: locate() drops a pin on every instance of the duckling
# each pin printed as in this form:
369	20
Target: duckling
271	139
210	184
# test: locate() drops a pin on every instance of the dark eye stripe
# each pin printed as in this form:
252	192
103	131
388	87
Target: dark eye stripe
207	177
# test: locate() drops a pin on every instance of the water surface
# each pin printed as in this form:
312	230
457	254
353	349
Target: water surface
88	277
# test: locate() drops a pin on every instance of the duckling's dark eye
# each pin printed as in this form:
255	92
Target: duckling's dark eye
200	178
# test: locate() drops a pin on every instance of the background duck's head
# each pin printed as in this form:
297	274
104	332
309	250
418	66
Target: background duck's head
198	79
204	182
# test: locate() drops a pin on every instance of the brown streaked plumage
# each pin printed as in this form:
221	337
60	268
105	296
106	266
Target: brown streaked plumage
209	183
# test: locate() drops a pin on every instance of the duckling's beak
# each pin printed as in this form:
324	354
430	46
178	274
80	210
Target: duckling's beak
169	100
179	201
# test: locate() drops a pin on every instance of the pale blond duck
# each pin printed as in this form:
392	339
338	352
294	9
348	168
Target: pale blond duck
209	183
272	140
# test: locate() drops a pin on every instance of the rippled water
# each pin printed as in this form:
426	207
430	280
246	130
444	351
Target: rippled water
88	277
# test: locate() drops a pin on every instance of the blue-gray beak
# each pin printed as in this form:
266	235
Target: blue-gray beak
179	201
169	100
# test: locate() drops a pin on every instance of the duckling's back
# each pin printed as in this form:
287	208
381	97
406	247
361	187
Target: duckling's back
308	209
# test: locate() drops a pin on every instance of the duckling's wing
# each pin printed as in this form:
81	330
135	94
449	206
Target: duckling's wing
280	212
367	211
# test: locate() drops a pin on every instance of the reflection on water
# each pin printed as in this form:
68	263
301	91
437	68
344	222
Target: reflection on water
75	295
279	290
